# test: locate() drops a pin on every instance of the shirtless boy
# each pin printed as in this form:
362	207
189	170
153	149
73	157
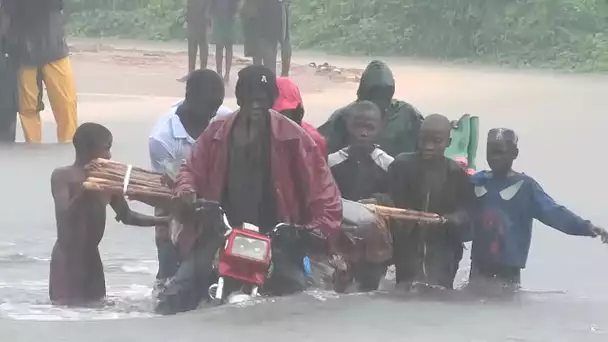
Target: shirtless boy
76	276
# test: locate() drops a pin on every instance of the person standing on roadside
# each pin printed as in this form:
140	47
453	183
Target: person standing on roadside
196	22
42	48
223	16
8	82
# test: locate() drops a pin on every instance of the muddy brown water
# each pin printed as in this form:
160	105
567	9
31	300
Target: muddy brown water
561	123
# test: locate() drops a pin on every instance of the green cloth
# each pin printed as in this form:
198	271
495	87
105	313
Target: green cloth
402	119
465	139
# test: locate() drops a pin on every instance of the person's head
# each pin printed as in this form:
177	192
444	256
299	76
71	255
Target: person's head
377	85
434	136
501	150
91	141
364	124
204	95
289	102
256	91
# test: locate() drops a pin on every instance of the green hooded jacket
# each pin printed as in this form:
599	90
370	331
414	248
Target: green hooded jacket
402	119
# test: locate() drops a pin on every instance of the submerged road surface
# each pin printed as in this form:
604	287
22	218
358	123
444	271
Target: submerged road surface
561	123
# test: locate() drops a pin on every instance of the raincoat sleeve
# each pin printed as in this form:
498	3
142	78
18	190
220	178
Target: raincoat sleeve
191	174
323	199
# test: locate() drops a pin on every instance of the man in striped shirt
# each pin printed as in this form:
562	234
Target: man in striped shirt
171	141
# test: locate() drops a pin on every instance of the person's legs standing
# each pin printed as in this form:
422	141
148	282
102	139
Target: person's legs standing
28	105
219	58
61	88
285	43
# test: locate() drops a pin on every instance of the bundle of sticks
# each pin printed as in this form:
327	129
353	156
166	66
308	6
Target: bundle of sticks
119	179
405	214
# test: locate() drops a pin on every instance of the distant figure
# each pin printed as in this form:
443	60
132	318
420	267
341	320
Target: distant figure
196	24
42	50
507	204
8	82
430	182
402	120
264	27
289	103
170	144
223	16
76	276
360	169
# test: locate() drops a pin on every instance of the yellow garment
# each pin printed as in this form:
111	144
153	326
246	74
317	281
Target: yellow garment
59	81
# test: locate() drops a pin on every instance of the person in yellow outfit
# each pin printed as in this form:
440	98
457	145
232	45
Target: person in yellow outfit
43	49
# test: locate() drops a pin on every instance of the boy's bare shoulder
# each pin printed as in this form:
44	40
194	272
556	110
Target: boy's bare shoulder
67	174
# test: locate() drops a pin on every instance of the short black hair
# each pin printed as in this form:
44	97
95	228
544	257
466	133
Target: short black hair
204	83
506	134
89	136
363	107
256	78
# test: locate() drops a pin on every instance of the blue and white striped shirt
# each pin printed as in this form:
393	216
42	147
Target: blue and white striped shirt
170	144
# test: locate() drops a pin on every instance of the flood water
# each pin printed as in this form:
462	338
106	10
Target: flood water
566	281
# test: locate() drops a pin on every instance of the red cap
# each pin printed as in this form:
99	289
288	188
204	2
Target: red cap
289	95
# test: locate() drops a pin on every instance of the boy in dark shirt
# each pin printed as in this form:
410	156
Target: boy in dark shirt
76	275
428	181
360	169
507	204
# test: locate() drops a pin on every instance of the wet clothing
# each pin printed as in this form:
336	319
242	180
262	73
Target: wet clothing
223	16
316	136
505	210
402	120
360	178
76	274
264	26
290	99
305	191
249	194
43	51
8	93
169	146
39	26
429	254
59	80
196	19
502	274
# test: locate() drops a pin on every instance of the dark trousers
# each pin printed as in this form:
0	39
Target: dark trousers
8	97
503	275
168	259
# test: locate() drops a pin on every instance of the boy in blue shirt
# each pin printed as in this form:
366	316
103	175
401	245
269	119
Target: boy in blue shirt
507	204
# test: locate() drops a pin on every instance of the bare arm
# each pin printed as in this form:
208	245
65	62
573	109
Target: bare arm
127	216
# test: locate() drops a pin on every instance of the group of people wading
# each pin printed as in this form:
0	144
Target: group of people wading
266	166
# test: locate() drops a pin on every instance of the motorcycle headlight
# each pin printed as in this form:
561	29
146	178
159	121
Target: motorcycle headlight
249	248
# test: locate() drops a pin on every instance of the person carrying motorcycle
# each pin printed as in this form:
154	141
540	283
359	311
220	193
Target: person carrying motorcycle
263	169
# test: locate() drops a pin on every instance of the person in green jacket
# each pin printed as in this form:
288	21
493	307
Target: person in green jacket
402	120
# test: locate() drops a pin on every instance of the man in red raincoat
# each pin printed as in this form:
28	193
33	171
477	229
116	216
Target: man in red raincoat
264	170
290	104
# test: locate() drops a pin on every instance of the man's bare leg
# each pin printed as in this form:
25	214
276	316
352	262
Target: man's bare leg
229	54
269	53
219	58
285	57
204	49
192	51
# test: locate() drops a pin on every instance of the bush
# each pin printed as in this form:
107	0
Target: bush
567	34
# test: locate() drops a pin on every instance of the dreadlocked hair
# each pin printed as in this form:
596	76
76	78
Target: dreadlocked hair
254	79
